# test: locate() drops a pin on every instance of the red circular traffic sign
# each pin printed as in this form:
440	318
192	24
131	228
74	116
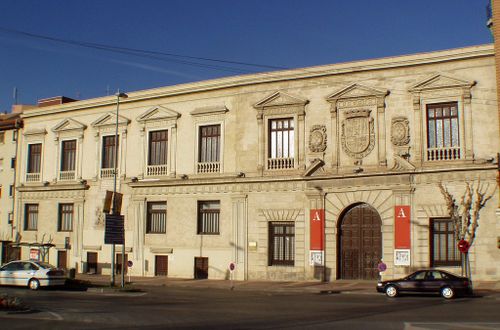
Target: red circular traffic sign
232	266
130	263
463	246
381	267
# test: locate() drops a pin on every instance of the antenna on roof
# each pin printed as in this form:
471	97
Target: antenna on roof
14	95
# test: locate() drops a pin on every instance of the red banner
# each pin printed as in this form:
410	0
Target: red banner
317	221
402	238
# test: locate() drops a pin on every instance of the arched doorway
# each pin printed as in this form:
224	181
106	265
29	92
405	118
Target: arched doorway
360	243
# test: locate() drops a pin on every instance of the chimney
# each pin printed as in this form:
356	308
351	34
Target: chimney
54	101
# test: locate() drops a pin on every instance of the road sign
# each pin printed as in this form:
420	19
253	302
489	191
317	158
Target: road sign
381	267
107	202
463	246
130	263
114	233
232	266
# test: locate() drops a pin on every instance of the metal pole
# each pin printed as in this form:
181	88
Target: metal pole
114	186
323	195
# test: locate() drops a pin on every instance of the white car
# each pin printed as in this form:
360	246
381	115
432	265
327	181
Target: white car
32	274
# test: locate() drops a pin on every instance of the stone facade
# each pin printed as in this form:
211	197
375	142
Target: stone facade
341	137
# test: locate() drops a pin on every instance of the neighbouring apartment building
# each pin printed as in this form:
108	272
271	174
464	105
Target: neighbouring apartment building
278	172
9	128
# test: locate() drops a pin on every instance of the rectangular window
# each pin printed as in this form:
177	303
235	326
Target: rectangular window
13	163
158	143
1	164
281	243
30	216
11	190
108	151
208	217
209	147
444	250
34	157
157	218
2	137
442	131
281	143
68	155
65	217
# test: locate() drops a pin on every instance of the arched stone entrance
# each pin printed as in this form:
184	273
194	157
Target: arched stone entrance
360	243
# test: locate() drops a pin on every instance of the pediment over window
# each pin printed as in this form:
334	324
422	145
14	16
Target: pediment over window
68	125
357	91
35	132
158	113
439	81
210	110
280	99
110	119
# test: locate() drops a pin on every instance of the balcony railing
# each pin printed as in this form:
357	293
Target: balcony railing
436	154
32	177
280	163
157	170
67	175
107	173
213	167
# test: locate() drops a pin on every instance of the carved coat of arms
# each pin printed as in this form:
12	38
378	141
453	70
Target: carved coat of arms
358	133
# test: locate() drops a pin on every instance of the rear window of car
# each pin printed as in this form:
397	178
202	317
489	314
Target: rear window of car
45	265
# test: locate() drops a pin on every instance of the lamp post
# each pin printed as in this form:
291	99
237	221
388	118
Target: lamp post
118	96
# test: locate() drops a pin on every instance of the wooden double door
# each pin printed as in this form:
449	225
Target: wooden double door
360	243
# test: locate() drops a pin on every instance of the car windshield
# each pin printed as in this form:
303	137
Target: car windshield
45	265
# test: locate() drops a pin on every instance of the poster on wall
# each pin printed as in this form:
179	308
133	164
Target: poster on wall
402	237
34	254
402	257
316	258
317	220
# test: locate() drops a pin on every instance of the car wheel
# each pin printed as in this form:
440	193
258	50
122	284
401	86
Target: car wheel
447	292
391	291
34	284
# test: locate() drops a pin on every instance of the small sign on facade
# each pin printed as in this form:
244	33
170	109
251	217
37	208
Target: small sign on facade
316	258
34	254
402	257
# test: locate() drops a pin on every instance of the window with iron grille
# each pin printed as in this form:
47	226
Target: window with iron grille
108	151
30	216
443	131
65	217
444	250
209	144
156	218
281	243
34	157
208	217
68	155
158	144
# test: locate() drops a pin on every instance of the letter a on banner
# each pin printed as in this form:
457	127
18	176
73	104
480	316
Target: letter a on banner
317	222
402	239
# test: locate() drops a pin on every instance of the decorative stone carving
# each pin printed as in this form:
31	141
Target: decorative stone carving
358	133
400	131
317	138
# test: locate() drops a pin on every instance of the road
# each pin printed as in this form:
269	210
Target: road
188	308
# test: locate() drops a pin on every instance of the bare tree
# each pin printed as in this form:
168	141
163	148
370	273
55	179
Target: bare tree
465	214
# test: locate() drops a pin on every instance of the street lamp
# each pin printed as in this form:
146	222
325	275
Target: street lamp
118	96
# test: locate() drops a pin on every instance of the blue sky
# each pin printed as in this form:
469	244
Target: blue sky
277	33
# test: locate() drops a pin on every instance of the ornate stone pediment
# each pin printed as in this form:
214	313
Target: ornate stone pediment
68	125
110	119
439	81
357	91
158	113
280	99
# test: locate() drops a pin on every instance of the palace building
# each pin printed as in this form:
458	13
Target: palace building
317	173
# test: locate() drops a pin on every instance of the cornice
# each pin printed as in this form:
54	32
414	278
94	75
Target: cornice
274	76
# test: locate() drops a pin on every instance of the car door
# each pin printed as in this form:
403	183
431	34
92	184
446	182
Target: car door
433	281
24	272
8	273
413	283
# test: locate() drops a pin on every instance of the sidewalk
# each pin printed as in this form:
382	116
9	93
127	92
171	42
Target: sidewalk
334	287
